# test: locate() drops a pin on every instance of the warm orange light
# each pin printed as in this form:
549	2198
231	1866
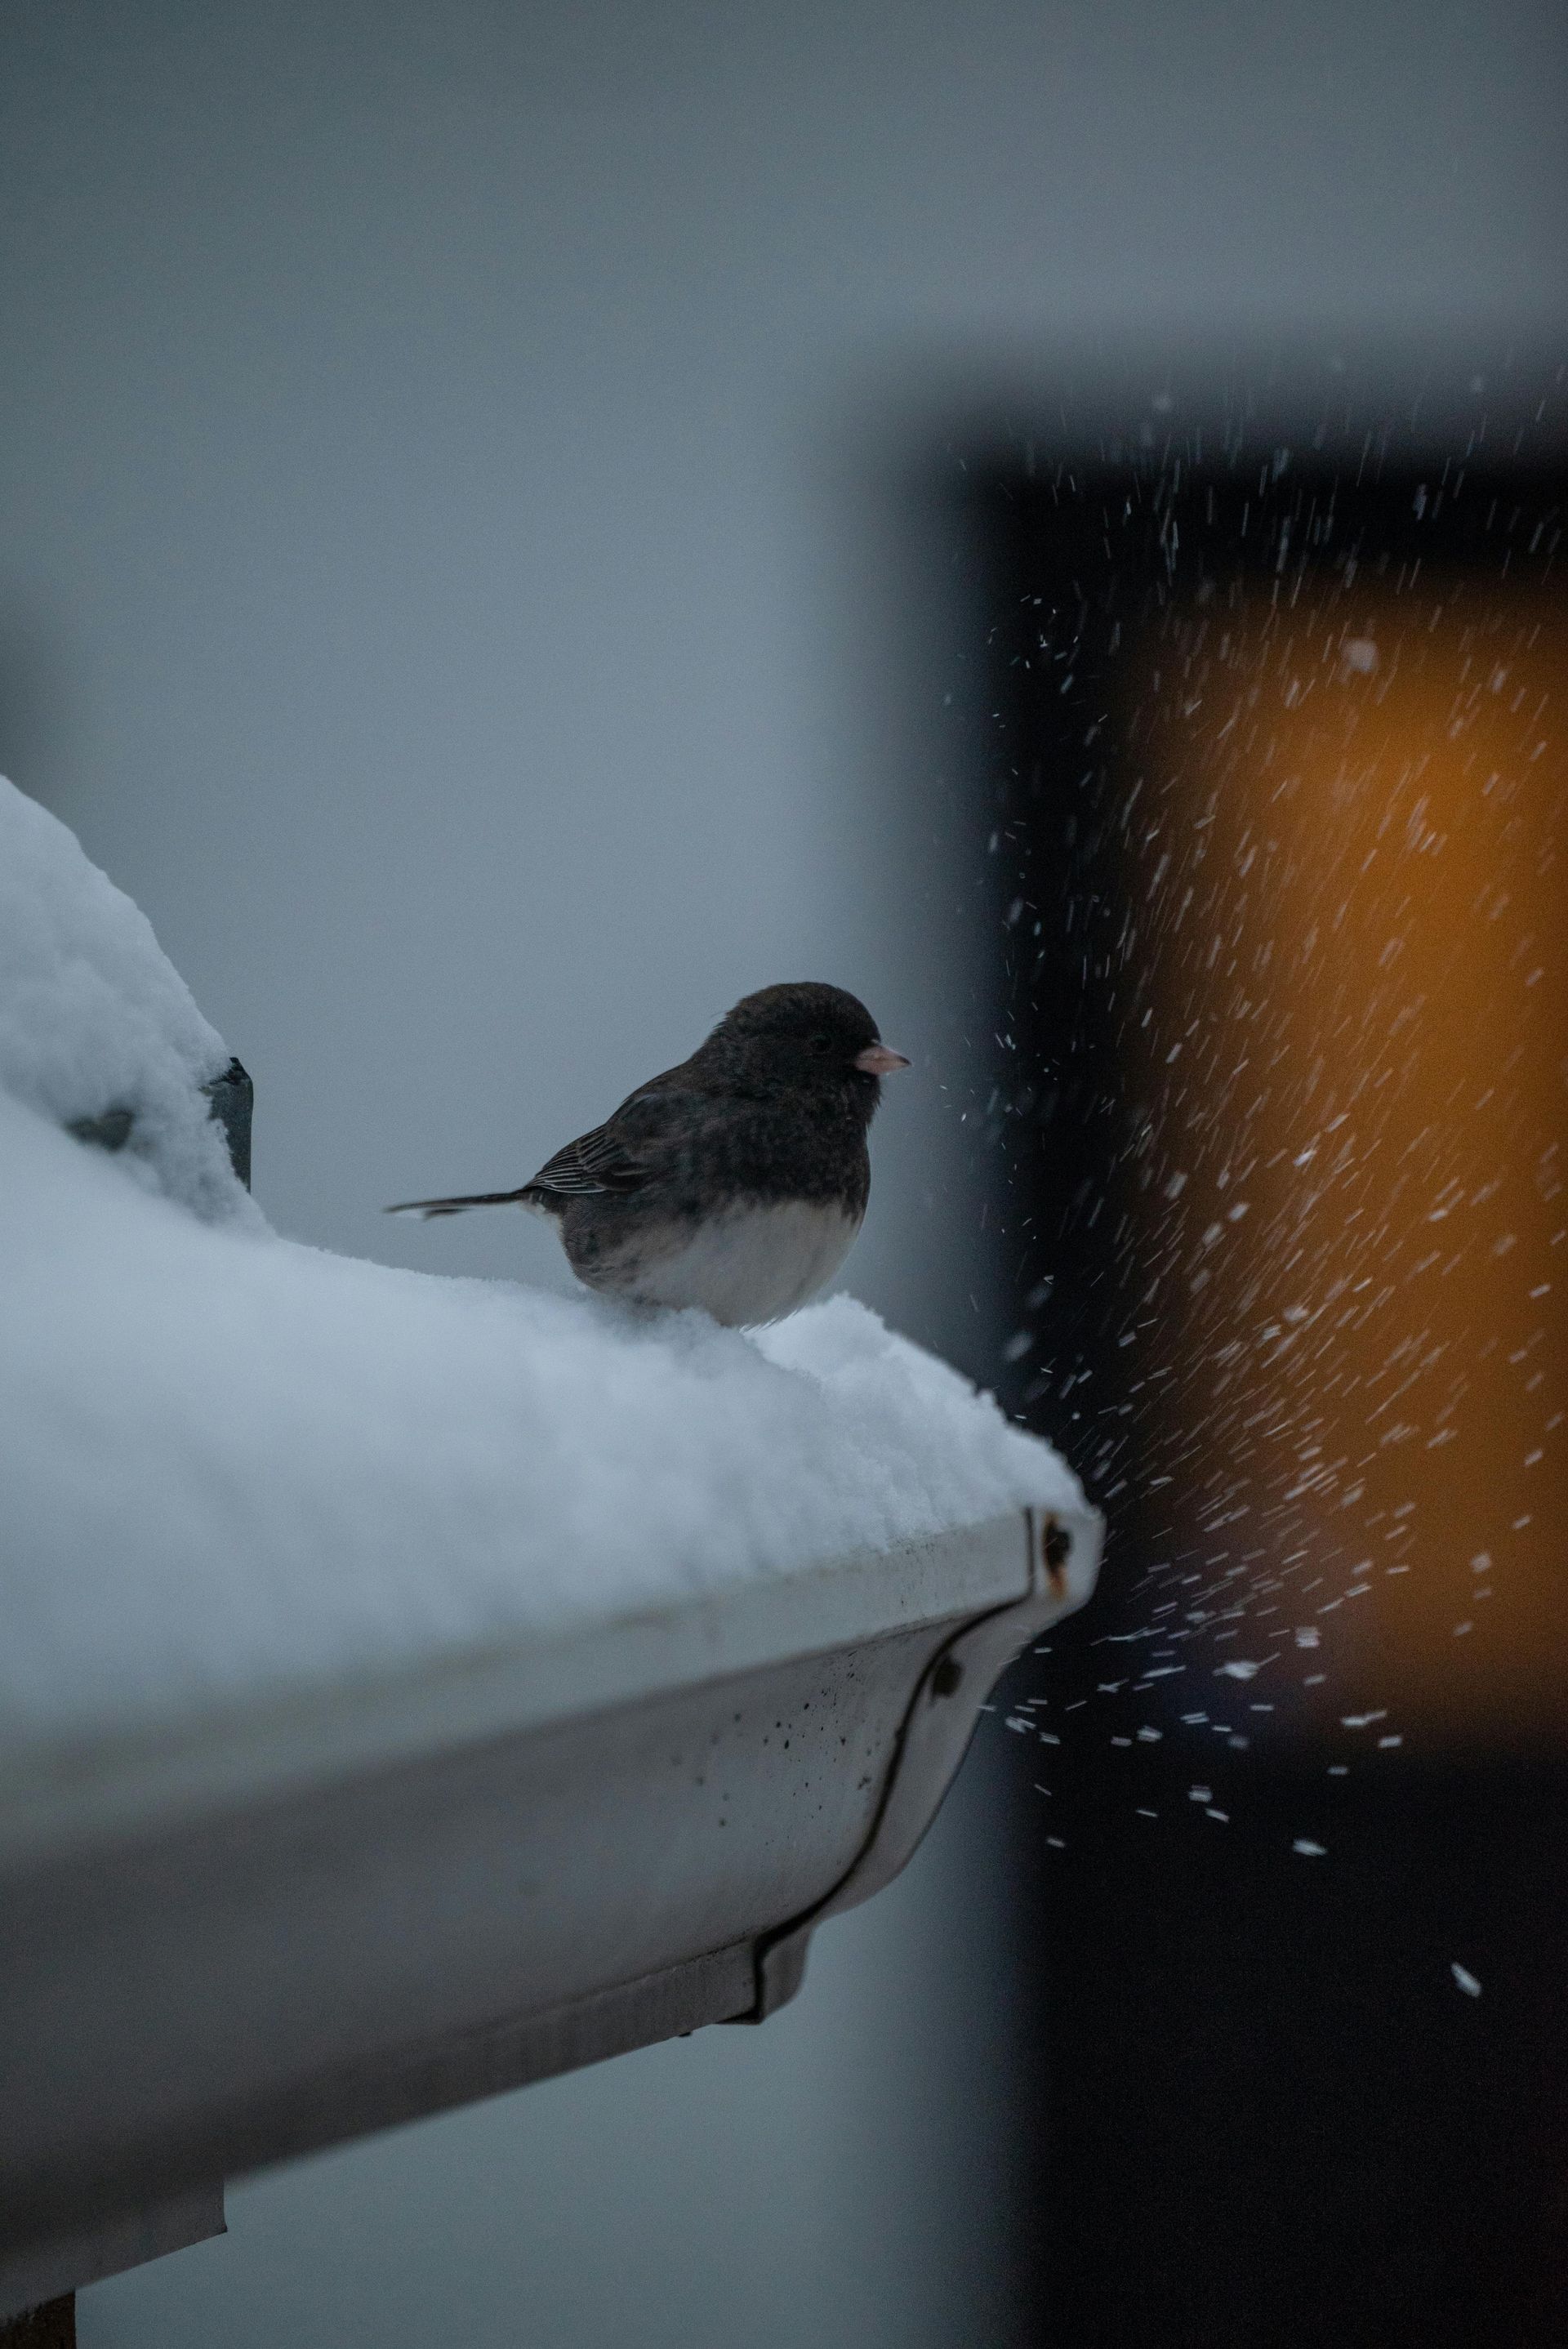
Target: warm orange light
1352	1051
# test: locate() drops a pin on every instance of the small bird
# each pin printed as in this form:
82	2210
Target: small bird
736	1182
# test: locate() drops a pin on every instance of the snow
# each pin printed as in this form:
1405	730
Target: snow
95	1018
235	1464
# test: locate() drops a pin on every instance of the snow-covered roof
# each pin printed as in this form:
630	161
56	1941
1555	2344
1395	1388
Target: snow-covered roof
235	1464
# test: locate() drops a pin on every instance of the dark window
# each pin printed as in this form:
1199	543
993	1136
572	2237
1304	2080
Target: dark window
1277	745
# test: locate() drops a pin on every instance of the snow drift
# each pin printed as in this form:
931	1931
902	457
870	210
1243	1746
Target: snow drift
231	1463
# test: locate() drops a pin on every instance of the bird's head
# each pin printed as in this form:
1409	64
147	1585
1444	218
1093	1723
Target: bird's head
805	1034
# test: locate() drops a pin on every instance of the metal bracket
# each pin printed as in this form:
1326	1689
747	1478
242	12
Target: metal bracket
233	1097
230	1098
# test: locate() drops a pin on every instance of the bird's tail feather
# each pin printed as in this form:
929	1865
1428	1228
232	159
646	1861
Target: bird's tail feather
426	1208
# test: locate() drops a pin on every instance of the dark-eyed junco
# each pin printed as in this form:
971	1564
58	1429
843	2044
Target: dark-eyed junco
736	1182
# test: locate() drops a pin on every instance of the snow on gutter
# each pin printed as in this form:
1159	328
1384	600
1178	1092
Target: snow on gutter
412	1688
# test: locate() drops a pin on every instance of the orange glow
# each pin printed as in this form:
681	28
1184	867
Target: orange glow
1347	852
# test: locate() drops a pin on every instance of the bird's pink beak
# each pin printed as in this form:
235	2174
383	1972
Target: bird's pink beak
879	1060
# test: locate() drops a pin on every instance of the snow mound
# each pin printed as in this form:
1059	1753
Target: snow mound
95	1019
234	1465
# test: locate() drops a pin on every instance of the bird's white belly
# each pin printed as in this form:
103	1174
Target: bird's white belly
750	1265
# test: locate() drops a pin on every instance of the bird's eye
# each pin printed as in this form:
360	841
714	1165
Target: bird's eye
819	1043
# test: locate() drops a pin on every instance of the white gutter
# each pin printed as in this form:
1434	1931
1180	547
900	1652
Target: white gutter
285	1926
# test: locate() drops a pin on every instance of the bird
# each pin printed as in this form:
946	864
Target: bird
736	1182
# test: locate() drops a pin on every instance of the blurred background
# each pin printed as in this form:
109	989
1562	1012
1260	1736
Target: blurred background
524	523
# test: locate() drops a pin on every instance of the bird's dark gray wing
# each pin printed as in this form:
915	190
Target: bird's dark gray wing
596	1162
614	1159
